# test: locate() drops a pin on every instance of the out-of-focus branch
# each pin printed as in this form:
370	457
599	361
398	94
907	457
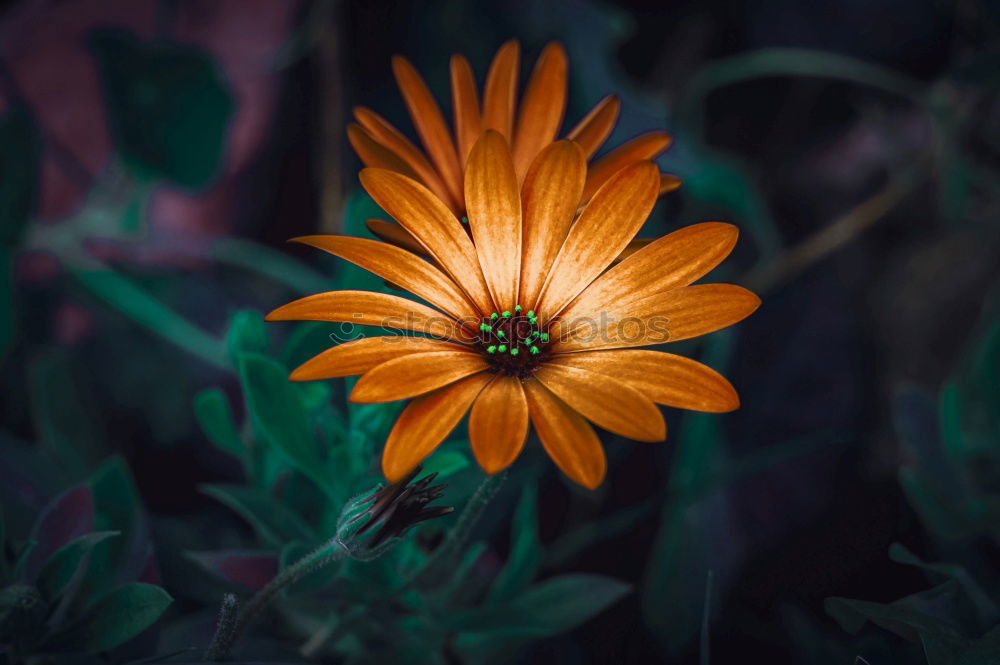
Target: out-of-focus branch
329	150
838	233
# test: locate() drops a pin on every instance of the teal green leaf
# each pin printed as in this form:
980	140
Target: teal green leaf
69	562
939	515
116	618
121	293
19	173
216	419
445	463
273	522
525	549
118	508
22	559
899	617
247	333
986	610
563	603
168	105
279	414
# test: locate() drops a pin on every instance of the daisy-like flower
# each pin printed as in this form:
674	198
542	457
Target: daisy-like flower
525	322
528	129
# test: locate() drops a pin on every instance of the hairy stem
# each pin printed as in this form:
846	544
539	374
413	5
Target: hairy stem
441	557
332	551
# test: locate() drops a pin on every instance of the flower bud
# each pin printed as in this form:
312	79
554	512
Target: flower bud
370	523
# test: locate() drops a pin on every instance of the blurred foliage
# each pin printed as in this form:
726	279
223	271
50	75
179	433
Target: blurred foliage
79	580
167	105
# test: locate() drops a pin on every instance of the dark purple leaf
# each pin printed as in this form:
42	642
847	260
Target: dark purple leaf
66	518
246	568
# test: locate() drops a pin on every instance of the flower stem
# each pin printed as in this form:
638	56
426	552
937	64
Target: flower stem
440	559
326	554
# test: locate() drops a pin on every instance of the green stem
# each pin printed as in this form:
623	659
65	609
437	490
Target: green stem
261	259
127	297
332	551
441	557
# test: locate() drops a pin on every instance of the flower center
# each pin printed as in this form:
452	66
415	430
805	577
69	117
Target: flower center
513	342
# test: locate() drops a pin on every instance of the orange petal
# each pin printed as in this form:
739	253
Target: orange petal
550	197
686	312
631	248
500	93
591	132
395	234
415	374
541	112
373	153
363	308
498	424
662	377
638	149
603	230
382	131
434	226
399	267
605	401
568	439
676	259
430	124
668	183
465	106
360	355
493	203
425	422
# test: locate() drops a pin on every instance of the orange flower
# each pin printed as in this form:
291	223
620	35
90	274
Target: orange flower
525	323
538	120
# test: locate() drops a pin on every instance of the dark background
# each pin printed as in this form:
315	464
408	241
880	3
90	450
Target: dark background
882	122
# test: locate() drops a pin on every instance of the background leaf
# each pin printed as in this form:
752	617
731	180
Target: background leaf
278	411
118	617
168	106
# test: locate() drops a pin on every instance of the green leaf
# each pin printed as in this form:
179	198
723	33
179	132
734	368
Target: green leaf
21	564
247	333
19	173
551	607
563	603
216	419
274	523
445	463
906	622
279	414
986	610
121	293
940	516
118	508
116	618
68	563
525	549
168	105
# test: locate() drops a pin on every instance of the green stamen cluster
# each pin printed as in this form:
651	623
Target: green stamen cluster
513	341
